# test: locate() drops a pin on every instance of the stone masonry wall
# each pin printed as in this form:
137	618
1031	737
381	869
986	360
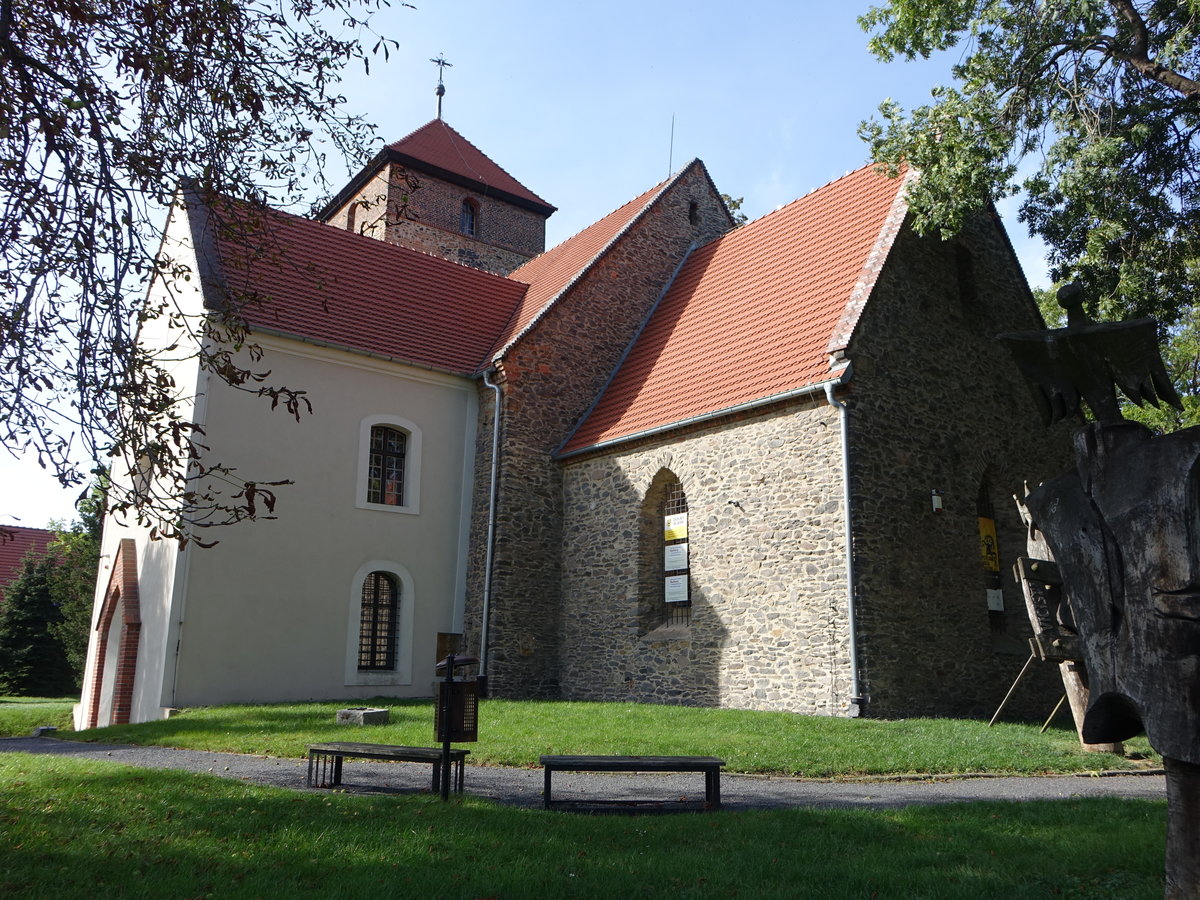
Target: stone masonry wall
766	554
550	379
937	404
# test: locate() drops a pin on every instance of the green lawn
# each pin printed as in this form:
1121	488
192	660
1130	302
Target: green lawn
516	733
88	829
20	715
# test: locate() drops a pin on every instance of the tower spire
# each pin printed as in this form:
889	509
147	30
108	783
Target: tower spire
441	63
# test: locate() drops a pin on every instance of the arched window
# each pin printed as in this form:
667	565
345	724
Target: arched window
385	466
377	624
389	464
468	219
665	562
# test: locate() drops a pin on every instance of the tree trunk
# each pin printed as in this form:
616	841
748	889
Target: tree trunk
1183	830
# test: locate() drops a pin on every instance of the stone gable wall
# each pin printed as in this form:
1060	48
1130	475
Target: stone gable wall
937	404
550	378
766	555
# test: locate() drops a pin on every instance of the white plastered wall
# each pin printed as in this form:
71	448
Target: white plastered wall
269	610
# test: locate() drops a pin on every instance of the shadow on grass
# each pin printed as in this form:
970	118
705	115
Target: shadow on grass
85	828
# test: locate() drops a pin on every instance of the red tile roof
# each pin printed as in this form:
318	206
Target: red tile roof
315	281
14	550
550	274
438	145
751	315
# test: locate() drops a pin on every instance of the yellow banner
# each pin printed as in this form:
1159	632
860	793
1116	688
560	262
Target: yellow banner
987	544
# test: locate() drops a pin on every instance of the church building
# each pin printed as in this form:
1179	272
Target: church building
672	459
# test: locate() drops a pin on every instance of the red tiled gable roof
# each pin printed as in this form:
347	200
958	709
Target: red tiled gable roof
439	146
551	273
311	280
751	315
13	552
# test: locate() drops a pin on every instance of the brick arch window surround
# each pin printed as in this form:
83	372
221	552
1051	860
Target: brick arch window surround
121	594
664	564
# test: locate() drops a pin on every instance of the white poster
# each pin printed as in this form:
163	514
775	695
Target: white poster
675	527
675	589
995	600
675	557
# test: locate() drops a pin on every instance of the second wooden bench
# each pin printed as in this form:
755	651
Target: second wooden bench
709	765
325	761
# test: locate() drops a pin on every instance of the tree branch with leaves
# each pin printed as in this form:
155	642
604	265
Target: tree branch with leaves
106	107
1104	96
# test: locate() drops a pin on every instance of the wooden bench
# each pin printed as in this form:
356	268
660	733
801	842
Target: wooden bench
709	765
325	761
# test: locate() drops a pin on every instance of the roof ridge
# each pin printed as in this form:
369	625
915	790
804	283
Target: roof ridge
455	136
657	191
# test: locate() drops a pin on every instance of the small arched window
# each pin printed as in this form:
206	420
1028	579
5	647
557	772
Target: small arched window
385	466
469	218
377	625
664	559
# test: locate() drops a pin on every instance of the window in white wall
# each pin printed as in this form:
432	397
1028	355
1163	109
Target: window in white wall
377	622
379	625
389	465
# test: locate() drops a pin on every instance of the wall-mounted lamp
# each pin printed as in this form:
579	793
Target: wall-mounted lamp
936	498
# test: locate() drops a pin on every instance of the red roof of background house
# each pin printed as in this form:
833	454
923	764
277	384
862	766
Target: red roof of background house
752	314
315	281
552	272
13	550
438	145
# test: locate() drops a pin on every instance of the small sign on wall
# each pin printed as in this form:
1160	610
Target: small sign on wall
675	557
675	589
675	527
995	600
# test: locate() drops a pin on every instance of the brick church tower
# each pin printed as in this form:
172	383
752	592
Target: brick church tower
437	192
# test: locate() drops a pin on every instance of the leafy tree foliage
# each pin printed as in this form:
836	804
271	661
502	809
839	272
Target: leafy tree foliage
734	204
47	615
1106	90
106	107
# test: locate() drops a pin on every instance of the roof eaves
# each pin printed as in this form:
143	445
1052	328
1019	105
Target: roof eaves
872	266
591	264
818	387
213	286
357	351
353	186
476	184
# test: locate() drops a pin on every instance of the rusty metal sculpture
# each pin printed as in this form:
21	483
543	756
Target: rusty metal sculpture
1124	528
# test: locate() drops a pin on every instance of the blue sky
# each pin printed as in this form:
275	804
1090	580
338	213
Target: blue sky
576	101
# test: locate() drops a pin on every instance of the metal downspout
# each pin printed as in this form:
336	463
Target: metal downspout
491	537
856	698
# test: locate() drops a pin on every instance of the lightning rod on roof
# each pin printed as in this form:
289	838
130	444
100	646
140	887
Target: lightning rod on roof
441	63
671	149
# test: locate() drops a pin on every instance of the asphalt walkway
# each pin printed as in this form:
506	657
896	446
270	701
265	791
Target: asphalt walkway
523	787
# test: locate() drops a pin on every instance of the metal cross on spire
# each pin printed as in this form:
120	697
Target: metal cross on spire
441	63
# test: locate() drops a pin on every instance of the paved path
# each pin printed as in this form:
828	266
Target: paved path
523	787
